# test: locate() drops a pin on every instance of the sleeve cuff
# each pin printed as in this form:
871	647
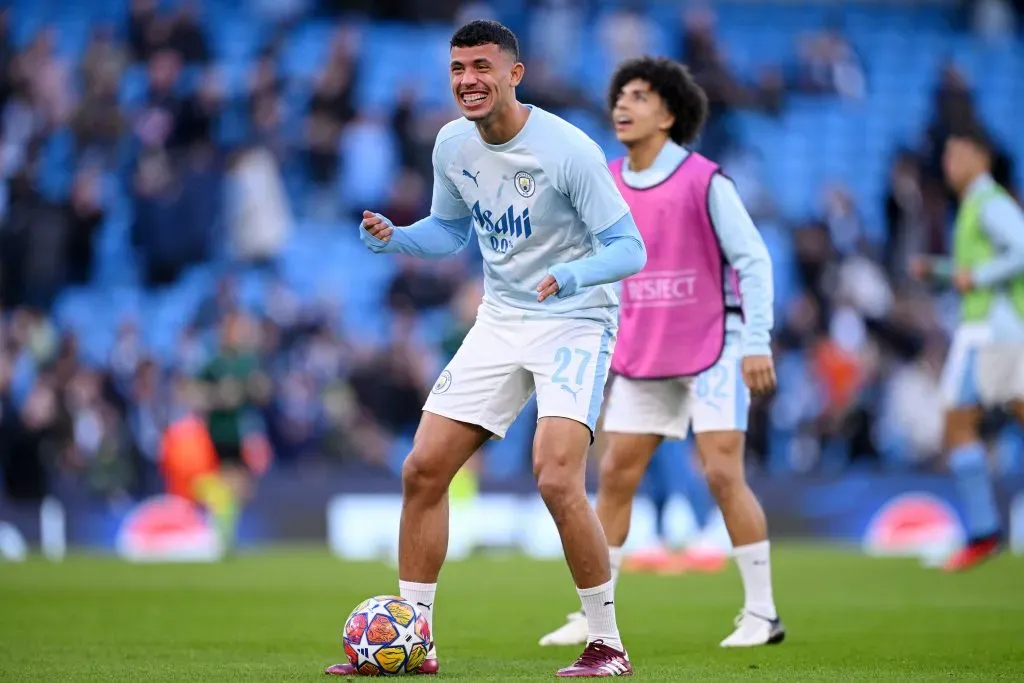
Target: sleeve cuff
372	242
565	278
757	349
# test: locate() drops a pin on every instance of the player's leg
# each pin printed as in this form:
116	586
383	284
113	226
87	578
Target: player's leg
721	407
966	455
636	414
570	376
721	454
478	395
622	467
440	448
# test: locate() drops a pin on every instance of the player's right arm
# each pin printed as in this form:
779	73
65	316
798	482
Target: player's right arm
446	231
745	250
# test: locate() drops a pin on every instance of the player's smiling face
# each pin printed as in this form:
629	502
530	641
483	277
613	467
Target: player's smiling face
639	113
483	79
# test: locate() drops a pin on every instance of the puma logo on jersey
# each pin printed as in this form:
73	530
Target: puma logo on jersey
565	387
471	176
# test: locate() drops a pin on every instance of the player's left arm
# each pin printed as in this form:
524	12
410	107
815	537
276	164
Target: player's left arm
1003	220
587	182
745	250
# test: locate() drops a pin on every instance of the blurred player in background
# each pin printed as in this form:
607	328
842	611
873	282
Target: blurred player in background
192	470
694	331
985	366
542	202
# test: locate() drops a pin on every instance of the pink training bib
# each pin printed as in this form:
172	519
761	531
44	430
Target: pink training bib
672	313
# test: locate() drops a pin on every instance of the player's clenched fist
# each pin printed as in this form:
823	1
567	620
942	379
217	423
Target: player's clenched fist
759	374
375	226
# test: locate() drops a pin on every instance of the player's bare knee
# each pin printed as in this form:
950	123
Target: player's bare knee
560	488
724	478
558	477
722	456
620	474
423	476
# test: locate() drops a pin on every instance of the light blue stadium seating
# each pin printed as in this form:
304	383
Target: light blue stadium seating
816	140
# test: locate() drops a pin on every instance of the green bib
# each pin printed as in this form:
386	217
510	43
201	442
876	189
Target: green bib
972	248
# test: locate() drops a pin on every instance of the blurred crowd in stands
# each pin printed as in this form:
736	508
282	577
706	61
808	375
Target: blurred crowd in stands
227	175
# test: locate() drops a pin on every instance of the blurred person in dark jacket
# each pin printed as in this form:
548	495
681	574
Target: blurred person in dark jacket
235	387
84	214
33	445
392	384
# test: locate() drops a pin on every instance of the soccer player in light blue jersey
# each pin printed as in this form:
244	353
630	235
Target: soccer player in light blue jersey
555	234
985	366
657	109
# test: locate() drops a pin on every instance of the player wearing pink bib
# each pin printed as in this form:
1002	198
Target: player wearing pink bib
694	330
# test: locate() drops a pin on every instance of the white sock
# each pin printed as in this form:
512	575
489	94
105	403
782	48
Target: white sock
615	560
615	556
599	606
421	595
755	567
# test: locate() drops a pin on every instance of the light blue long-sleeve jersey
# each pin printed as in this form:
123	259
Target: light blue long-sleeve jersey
1003	222
742	246
542	203
623	253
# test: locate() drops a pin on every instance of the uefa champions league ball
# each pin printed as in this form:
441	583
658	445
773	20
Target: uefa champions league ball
386	636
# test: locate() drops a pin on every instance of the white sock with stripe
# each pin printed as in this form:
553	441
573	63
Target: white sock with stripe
599	608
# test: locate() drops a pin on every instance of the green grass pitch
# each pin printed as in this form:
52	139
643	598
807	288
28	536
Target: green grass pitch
277	616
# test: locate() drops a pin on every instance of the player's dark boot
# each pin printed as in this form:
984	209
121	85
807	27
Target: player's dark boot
974	553
598	661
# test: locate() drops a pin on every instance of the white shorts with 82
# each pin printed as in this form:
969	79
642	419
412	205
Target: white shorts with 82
715	400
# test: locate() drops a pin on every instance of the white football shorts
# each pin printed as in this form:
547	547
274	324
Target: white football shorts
714	401
501	363
980	371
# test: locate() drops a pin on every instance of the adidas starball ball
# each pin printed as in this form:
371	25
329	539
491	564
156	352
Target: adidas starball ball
386	636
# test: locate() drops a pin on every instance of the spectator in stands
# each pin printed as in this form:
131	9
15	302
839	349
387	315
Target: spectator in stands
392	384
196	116
32	241
843	219
155	122
33	439
84	215
331	107
464	307
154	230
704	56
911	415
907	230
187	36
624	34
828	64
141	15
234	387
49	79
417	287
259	212
221	304
99	123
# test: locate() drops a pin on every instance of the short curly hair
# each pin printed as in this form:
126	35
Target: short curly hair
487	32
674	83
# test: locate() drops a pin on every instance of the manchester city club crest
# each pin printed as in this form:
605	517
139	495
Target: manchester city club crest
525	184
443	383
